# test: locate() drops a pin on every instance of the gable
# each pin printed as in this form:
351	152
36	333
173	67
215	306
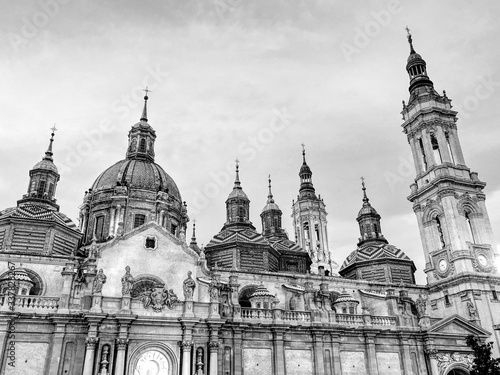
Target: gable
457	325
169	261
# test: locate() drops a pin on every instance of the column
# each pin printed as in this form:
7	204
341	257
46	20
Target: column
6	322
443	145
124	323
279	351
57	347
336	355
213	348
121	345
416	156
88	366
186	357
318	353
434	363
238	350
406	356
112	213
372	353
456	149
429	154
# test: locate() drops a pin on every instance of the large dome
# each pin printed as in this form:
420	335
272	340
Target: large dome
136	174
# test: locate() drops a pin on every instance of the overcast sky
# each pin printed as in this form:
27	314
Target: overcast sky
253	80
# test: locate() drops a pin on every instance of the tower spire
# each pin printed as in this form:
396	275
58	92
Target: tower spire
49	153
237	179
303	153
410	40
365	197
144	116
270	195
193	238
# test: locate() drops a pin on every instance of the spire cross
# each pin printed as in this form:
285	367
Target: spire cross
303	146
237	162
54	129
146	90
407	30
363	181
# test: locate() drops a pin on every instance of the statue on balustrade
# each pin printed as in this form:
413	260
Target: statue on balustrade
99	282
421	305
127	282
188	287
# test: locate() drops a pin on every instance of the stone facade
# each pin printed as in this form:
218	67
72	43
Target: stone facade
134	298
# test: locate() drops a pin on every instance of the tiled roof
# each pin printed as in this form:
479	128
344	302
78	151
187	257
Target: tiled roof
32	211
375	251
238	234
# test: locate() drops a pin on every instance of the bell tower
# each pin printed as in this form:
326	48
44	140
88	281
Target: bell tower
447	197
309	222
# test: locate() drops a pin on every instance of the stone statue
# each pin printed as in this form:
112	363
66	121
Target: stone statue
188	287
127	282
472	310
421	305
99	281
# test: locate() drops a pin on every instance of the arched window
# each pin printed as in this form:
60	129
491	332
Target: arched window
244	297
422	152
143	284
469	227
306	230
435	150
41	189
440	232
142	145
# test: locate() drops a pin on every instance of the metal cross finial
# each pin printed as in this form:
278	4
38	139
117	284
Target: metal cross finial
303	146
408	30
146	90
237	162
54	129
363	181
194	221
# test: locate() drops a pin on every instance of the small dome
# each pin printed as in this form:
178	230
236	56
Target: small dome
367	209
143	125
136	174
271	206
414	56
261	291
46	164
237	193
19	274
305	169
345	297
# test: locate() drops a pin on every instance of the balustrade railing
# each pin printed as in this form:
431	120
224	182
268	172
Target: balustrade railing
349	319
297	316
33	302
252	313
383	320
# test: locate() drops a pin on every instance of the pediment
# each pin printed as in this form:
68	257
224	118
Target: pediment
457	325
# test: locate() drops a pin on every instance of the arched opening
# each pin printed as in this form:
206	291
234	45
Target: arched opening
440	232
153	358
435	150
468	223
244	297
422	153
142	145
457	371
145	283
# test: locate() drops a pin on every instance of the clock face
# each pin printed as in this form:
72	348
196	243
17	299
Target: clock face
483	261
443	265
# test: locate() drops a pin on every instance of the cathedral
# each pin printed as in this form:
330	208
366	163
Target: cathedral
125	291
